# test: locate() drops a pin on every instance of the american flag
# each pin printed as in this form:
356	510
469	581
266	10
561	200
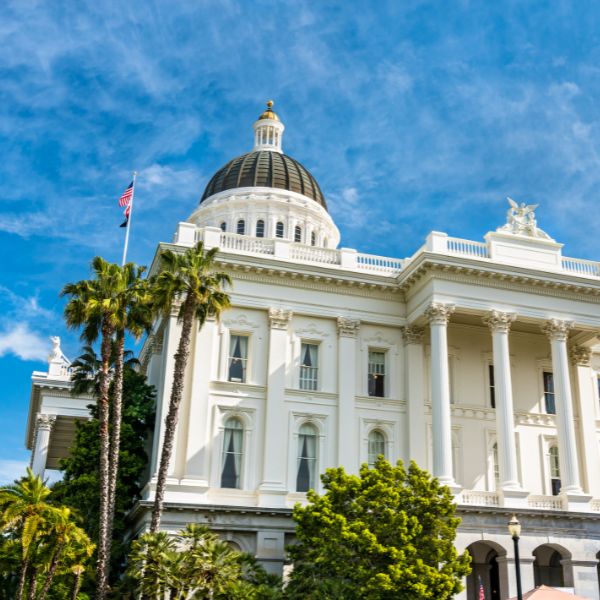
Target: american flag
481	590
125	198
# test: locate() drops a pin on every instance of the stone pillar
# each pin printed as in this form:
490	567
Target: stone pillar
586	400
43	427
526	563
347	425
273	487
415	392
438	315
558	332
499	324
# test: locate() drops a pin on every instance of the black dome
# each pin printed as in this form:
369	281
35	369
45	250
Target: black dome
265	168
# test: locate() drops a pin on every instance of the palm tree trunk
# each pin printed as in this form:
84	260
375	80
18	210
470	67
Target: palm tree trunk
115	433
181	357
51	571
32	580
103	413
76	585
22	578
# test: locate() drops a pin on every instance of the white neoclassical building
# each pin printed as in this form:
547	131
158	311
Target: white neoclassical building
477	359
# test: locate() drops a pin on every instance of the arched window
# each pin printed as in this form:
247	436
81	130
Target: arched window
241	227
279	229
260	228
223	226
376	446
297	233
313	238
554	470
233	440
307	458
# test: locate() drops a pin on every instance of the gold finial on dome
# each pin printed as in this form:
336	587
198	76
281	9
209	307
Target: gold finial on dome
269	114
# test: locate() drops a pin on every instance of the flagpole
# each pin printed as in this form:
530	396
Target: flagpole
129	219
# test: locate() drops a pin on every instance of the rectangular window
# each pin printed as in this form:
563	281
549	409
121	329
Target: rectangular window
238	358
549	393
376	373
492	387
309	366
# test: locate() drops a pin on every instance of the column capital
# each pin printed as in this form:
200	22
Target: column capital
44	421
498	321
347	327
580	356
557	330
279	318
438	313
412	334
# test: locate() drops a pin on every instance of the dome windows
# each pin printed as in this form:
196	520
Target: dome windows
279	229
313	238
297	233
223	227
260	228
241	227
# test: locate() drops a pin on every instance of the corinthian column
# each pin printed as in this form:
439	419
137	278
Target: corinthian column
558	332
438	316
39	458
499	324
273	480
347	428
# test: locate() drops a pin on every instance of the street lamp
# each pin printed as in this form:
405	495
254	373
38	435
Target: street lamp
514	528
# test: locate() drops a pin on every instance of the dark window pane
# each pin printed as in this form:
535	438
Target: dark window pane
260	228
492	387
241	227
297	234
549	393
279	230
223	226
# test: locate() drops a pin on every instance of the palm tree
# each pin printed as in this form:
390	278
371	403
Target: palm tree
188	278
25	512
105	306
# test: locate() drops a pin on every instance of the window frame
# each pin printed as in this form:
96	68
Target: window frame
491	385
261	233
297	234
279	230
229	357
240	225
314	477
548	394
314	387
224	453
554	469
384	352
223	226
384	443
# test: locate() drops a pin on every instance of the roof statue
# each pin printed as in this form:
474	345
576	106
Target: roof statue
56	354
520	220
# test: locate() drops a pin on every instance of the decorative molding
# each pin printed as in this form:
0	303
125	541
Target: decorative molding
241	322
438	313
347	327
580	356
311	330
279	318
44	421
379	340
499	322
557	330
412	334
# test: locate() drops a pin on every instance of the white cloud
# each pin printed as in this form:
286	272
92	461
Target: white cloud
19	340
11	470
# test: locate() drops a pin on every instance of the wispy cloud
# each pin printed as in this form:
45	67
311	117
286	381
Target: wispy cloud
19	340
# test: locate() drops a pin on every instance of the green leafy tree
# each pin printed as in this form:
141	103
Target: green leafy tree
189	278
386	534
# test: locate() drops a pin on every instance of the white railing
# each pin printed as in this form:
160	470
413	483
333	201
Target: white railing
379	264
326	256
546	502
244	243
480	498
468	248
581	267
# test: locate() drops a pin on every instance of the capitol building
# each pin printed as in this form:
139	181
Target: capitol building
480	360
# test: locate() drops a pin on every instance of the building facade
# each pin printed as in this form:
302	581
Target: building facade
478	360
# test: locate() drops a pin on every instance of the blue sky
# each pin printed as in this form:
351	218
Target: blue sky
412	116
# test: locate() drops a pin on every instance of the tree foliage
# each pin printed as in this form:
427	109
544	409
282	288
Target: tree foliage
385	534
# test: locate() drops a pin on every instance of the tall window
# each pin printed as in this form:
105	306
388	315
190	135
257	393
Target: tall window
376	373
549	393
297	233
241	227
307	458
238	357
496	465
554	470
233	440
309	366
376	446
313	238
279	229
223	226
492	386
260	228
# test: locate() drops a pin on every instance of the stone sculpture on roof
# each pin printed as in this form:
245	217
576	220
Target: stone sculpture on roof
520	220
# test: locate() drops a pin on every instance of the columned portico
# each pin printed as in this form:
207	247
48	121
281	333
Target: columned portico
347	455
274	473
438	315
499	325
413	340
558	333
43	428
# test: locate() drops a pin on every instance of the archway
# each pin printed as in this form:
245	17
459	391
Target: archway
487	569
549	568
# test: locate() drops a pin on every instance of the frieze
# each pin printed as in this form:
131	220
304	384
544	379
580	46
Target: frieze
347	327
279	318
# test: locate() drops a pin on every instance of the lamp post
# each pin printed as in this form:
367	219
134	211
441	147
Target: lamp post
514	528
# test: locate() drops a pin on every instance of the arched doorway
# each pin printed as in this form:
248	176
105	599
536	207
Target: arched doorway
487	569
548	568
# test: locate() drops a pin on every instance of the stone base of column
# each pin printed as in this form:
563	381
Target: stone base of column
513	498
577	501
